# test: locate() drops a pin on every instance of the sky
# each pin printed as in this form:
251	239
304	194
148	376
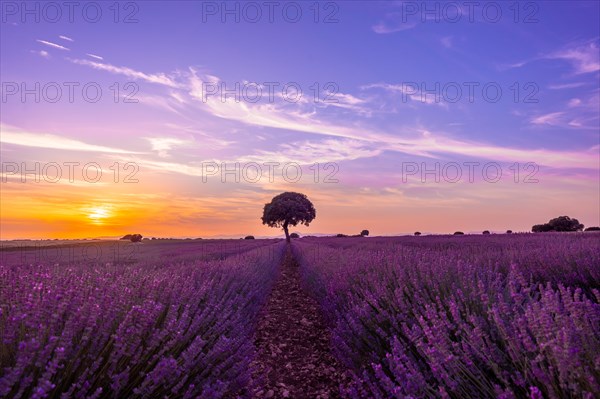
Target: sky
183	118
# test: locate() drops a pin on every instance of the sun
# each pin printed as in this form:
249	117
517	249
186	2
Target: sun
98	214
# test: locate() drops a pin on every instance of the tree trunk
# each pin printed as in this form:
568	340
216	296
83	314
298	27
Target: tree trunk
287	233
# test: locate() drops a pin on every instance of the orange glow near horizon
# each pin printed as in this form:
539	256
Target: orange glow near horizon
49	212
98	214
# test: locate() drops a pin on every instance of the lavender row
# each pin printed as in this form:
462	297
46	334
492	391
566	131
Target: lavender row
516	316
180	329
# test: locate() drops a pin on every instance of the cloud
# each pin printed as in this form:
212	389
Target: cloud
66	38
552	119
345	101
411	141
53	45
566	86
584	58
164	144
159	78
311	152
384	28
41	53
579	112
408	90
94	56
14	135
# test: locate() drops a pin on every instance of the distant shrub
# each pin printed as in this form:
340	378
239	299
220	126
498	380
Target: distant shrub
458	233
508	231
136	238
294	235
486	232
595	228
132	237
417	233
153	238
341	235
364	233
561	223
249	238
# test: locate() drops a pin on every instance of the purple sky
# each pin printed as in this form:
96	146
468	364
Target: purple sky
373	92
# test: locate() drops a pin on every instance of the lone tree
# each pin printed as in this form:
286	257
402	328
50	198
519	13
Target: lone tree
288	209
486	232
561	223
417	233
364	233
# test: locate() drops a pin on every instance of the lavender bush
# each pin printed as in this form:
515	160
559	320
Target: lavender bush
454	317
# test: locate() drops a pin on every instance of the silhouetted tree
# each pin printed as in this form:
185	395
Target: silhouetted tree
595	228
458	233
126	237
417	233
341	235
561	223
486	232
249	238
294	235
508	231
364	233
288	209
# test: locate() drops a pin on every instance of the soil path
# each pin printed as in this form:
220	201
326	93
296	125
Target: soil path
294	358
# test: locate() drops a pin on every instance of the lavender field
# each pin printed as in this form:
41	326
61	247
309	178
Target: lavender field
141	328
505	316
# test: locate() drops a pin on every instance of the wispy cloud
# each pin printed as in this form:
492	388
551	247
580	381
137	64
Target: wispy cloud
66	38
159	78
566	86
578	113
384	28
41	53
311	152
584	58
409	91
164	144
552	119
94	56
53	45
16	136
414	141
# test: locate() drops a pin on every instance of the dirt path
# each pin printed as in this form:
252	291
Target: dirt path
294	360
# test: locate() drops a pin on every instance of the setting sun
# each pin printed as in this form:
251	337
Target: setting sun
98	214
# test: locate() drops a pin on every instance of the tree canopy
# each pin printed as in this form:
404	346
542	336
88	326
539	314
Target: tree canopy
288	209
